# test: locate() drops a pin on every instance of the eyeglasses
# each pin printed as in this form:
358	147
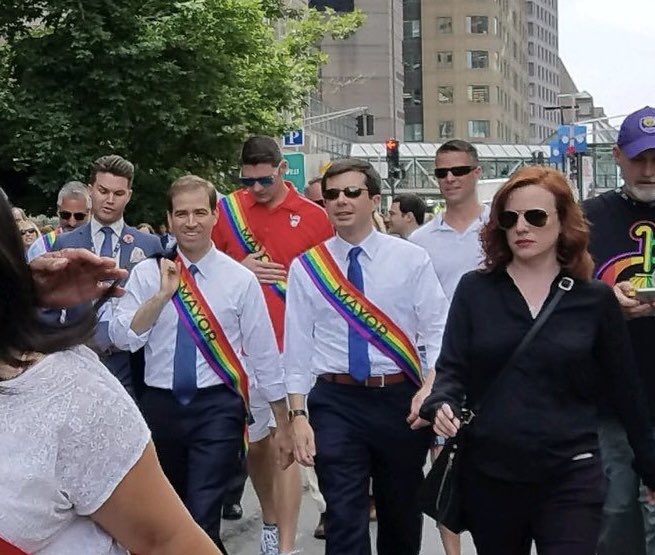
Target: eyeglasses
265	181
537	217
457	171
66	215
351	191
26	231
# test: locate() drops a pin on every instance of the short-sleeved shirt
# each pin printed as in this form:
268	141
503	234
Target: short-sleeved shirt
286	231
69	433
452	253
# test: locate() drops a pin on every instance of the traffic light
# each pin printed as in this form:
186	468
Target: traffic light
393	153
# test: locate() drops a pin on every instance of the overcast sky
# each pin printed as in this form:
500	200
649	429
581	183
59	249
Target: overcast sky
609	50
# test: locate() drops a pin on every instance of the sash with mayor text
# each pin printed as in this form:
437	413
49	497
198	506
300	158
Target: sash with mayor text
208	335
360	313
8	549
236	218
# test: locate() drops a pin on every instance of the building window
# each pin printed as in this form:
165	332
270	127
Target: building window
531	69
446	129
530	29
445	94
445	59
413	132
479	128
412	29
477	24
444	24
478	93
477	59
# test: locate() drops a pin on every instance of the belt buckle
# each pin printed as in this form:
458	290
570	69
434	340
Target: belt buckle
382	382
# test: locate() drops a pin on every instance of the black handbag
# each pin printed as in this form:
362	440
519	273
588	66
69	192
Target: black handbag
440	493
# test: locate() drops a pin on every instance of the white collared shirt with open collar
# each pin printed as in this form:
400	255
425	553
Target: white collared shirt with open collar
452	253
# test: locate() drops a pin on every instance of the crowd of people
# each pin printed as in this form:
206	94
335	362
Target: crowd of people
284	336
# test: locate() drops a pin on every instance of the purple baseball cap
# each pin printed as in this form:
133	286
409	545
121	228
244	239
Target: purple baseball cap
637	132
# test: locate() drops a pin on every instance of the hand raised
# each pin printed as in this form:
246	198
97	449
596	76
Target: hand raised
170	277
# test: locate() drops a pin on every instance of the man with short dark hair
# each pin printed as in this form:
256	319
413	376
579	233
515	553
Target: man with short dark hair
197	398
265	225
313	191
73	209
107	234
355	303
406	214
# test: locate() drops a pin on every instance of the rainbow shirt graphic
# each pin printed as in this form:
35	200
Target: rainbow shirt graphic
636	267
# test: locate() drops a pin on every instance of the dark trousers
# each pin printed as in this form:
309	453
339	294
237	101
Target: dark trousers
362	433
199	447
562	514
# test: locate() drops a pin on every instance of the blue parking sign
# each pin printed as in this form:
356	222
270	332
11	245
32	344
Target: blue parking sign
294	138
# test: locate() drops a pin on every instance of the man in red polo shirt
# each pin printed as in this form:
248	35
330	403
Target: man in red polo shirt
265	225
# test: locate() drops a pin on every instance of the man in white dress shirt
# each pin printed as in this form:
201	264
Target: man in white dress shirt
197	417
360	421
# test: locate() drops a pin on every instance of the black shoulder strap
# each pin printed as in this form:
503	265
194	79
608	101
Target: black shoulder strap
565	284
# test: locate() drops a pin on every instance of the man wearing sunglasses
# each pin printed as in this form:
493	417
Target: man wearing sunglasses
621	243
360	420
265	225
73	209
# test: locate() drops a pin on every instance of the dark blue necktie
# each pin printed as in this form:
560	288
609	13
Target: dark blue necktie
106	248
359	365
185	384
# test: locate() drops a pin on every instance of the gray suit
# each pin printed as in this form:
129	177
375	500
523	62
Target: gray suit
117	361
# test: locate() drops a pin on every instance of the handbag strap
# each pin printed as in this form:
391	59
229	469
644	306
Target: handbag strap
565	284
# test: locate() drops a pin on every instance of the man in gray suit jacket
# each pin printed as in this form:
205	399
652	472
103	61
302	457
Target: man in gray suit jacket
107	234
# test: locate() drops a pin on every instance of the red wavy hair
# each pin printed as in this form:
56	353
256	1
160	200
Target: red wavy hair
573	241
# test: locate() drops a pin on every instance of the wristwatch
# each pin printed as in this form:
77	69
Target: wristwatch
297	412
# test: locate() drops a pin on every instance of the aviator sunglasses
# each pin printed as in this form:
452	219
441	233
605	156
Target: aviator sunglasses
457	171
351	191
534	216
66	215
264	181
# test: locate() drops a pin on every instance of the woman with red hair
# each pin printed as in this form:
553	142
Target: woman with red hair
530	468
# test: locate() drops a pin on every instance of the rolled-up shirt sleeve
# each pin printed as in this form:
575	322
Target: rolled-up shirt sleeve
141	286
259	344
298	332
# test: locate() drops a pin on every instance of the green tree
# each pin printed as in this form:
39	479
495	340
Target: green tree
173	86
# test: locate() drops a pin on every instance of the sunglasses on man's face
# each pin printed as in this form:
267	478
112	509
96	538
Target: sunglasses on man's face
265	181
351	191
457	171
66	215
537	217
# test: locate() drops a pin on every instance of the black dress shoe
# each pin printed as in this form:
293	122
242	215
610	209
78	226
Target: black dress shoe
232	511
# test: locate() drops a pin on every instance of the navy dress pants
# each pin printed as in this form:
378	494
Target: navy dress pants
361	433
198	445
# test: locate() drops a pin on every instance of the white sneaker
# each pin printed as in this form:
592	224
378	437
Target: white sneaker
270	542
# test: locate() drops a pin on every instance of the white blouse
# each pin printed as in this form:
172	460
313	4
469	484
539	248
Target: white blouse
69	433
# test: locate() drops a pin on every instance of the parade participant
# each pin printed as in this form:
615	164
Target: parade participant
313	191
196	400
406	214
530	467
107	234
622	231
29	232
265	225
73	209
76	452
357	288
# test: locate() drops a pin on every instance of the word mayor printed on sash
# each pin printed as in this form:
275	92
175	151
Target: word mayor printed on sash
359	311
196	310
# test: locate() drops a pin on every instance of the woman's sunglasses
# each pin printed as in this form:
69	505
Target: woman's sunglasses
26	231
350	192
66	215
534	216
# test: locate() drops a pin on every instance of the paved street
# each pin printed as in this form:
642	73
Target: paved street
242	537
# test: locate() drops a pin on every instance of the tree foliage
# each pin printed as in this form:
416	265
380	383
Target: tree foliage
173	86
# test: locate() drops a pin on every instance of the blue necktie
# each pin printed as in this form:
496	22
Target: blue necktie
184	363
359	365
106	248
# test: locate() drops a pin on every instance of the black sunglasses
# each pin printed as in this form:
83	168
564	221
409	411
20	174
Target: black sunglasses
534	216
457	171
26	231
66	215
265	181
351	191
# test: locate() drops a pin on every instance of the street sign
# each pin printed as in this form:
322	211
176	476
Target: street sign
294	138
572	138
296	171
556	151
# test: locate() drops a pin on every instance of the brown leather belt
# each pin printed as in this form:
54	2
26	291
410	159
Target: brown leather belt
373	381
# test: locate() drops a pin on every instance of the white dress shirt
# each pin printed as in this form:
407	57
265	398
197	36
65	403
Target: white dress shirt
452	253
398	278
98	236
237	301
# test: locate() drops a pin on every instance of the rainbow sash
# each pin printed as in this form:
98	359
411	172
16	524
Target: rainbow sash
8	549
208	335
49	240
360	313
238	224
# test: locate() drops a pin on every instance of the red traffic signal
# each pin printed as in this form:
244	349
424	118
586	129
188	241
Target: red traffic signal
393	152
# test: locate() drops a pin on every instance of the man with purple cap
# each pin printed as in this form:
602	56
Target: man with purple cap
623	245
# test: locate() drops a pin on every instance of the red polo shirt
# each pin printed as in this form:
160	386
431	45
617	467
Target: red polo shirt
286	231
